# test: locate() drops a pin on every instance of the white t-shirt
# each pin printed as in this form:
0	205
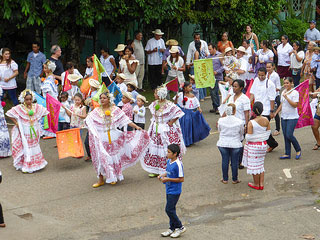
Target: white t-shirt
75	71
63	114
289	112
243	66
6	71
191	103
155	58
242	104
178	64
294	62
107	65
140	116
283	54
275	78
264	56
89	72
248	54
264	92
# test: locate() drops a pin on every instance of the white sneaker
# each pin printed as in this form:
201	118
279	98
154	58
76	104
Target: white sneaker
178	232
167	233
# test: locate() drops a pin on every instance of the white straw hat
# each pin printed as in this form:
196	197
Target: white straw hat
143	98
174	49
120	48
157	32
94	83
242	49
127	95
73	77
133	84
228	49
121	75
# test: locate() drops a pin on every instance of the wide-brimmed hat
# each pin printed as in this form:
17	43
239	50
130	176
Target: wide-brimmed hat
73	77
121	75
127	95
316	48
132	83
174	49
94	83
157	32
120	47
228	49
242	49
143	98
172	42
191	76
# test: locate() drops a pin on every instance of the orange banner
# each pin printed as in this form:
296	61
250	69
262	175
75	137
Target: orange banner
69	143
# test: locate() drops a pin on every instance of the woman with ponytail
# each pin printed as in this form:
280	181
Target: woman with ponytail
193	125
258	132
231	131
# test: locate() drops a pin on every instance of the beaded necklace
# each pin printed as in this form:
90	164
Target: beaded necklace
30	114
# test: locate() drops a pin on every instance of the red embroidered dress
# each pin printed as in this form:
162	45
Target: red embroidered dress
26	151
162	135
125	150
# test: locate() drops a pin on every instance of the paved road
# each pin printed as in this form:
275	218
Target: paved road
59	202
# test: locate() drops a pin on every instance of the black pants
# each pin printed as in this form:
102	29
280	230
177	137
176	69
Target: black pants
86	145
106	81
140	125
271	141
277	118
63	126
1	215
154	76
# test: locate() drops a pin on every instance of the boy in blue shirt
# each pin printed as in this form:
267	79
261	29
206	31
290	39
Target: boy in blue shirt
173	178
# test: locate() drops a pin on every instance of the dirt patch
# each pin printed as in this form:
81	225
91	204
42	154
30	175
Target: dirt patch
315	181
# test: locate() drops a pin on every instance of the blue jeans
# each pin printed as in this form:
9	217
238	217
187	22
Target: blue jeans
86	144
12	94
172	201
227	154
296	78
215	98
288	126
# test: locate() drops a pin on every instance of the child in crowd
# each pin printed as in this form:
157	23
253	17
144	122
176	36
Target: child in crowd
230	63
127	107
64	119
226	91
139	112
2	224
173	178
70	70
74	80
131	87
94	87
195	90
120	82
193	125
78	112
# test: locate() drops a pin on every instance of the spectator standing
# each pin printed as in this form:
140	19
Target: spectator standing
120	51
55	55
225	43
109	64
170	43
139	54
264	91
242	67
263	55
155	48
283	53
128	65
33	71
312	34
251	37
218	73
8	73
192	50
306	70
296	61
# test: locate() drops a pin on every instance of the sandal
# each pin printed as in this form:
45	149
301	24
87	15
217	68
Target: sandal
316	147
235	182
224	182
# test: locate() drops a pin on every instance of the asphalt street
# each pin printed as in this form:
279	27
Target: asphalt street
59	202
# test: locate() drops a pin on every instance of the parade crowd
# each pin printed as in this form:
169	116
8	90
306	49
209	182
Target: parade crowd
254	84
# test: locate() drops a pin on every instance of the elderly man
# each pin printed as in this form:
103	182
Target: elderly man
312	34
55	55
192	49
139	54
33	71
155	48
218	73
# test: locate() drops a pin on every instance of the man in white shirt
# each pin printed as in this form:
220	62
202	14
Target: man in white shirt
242	71
263	90
155	48
192	50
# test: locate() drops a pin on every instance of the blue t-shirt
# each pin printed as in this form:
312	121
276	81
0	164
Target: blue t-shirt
174	170
36	63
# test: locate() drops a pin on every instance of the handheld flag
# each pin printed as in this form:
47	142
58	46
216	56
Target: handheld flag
173	85
98	68
102	89
113	88
53	106
42	101
248	92
69	143
304	109
203	73
66	83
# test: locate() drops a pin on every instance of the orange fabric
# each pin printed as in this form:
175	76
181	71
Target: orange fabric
222	47
95	104
69	143
85	87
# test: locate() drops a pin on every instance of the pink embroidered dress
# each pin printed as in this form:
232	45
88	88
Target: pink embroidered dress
162	135
125	149
26	151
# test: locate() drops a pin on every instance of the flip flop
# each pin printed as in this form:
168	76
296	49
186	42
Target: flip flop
235	182
316	146
224	182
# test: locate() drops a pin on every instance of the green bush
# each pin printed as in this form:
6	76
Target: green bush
294	28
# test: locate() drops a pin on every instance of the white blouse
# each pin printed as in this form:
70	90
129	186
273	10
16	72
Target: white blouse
231	131
191	103
283	54
264	57
178	64
294	62
124	69
242	104
289	112
6	71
